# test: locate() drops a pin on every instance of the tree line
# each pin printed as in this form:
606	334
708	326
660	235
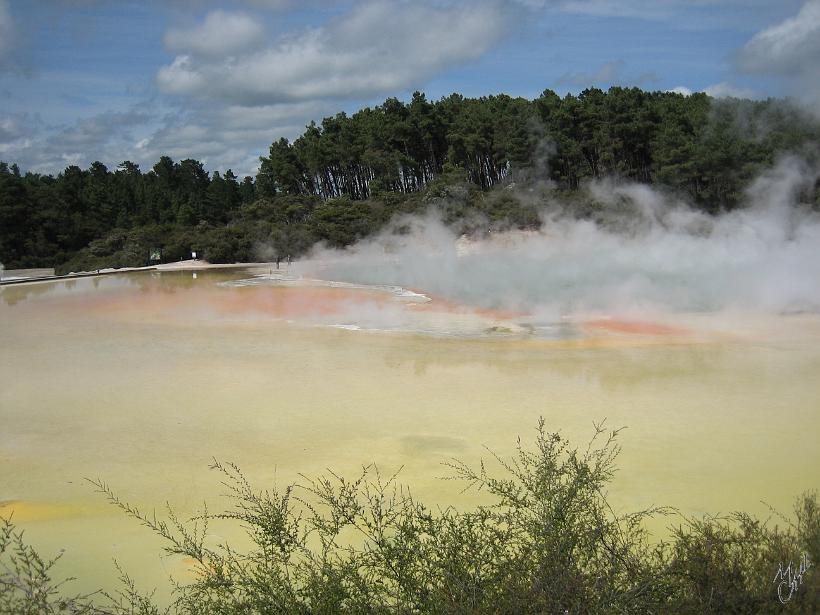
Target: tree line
344	178
695	144
45	219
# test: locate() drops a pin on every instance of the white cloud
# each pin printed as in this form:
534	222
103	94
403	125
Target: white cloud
221	137
718	90
727	90
378	47
107	136
228	136
790	47
789	50
15	135
221	33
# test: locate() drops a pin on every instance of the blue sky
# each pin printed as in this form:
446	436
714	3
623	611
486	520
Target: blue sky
85	80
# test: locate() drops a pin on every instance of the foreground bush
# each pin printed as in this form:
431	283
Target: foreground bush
548	543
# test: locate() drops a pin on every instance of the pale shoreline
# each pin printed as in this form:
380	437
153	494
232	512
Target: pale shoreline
605	328
191	264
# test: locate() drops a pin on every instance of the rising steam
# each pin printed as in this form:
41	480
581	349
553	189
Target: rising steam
642	251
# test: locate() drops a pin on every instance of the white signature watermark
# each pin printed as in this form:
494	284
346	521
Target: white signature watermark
790	578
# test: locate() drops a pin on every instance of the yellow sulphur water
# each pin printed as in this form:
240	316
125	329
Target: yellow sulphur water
141	380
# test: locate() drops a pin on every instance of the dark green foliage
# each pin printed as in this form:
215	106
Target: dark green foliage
708	148
26	586
547	541
98	218
340	222
342	179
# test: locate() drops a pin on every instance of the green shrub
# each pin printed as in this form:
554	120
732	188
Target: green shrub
549	542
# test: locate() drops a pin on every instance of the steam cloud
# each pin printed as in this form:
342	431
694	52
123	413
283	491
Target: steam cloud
641	252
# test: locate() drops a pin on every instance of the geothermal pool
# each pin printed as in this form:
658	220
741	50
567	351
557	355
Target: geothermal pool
141	379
